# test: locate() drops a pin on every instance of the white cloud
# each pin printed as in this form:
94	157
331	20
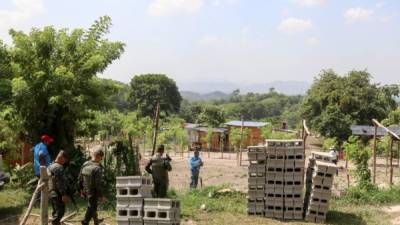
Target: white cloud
223	2
380	4
18	17
312	41
211	40
294	25
357	14
310	2
174	7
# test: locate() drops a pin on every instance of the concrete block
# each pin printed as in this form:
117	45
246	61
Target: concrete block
261	156
279	201
252	180
269	211
278	212
322	188
269	198
130	222
327	181
133	181
310	218
289	163
322	156
125	201
127	213
252	156
256	149
161	203
299	163
270	152
167	223
298	215
270	172
134	192
156	214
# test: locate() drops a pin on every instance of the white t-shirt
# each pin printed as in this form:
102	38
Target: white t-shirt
333	154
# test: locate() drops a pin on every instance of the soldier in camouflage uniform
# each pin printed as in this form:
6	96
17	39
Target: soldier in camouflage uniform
91	185
158	167
58	187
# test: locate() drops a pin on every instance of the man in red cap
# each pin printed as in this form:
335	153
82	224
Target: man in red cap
41	156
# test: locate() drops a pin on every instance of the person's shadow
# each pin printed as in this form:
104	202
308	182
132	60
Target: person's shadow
343	218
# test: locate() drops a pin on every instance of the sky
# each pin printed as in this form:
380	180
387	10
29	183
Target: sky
239	41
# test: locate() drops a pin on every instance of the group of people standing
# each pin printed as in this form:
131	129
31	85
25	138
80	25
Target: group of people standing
91	181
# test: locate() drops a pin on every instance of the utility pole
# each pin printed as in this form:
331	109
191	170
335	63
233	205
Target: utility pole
155	131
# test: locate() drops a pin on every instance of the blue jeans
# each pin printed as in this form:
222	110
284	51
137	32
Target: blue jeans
194	179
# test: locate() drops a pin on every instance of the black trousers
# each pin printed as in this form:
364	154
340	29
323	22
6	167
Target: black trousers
91	211
160	189
58	208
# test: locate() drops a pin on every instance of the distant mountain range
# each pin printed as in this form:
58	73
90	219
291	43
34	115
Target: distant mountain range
194	96
196	91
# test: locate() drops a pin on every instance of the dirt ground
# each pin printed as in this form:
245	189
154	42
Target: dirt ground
225	171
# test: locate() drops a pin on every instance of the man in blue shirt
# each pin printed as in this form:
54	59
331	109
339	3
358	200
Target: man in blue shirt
195	163
41	156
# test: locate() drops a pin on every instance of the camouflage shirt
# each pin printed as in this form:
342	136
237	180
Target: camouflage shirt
159	166
57	180
91	179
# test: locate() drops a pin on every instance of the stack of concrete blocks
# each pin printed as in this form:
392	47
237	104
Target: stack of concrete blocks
131	192
319	181
256	180
161	211
285	174
276	173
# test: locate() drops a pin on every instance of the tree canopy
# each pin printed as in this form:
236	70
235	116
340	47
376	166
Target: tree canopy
54	77
149	89
334	102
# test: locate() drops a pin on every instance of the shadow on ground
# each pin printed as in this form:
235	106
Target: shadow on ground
343	218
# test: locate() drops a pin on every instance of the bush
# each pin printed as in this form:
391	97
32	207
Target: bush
372	195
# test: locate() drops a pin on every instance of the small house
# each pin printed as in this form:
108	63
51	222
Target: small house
254	136
198	137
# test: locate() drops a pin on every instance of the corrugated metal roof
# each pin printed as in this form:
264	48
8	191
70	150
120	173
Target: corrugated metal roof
238	123
215	130
370	130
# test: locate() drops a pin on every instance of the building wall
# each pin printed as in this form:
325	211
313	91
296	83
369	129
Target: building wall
254	137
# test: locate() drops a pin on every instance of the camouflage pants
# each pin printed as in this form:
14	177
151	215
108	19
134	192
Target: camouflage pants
58	209
91	211
160	189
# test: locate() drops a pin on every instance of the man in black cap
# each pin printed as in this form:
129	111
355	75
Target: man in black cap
91	183
58	187
158	167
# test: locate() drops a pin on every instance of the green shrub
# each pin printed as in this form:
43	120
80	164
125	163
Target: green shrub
372	195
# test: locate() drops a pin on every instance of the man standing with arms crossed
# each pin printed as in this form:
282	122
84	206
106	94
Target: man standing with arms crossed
91	183
158	167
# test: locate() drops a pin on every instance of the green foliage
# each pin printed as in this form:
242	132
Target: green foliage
267	132
148	89
371	195
5	75
236	137
11	130
55	82
393	118
334	102
358	153
211	116
328	143
22	175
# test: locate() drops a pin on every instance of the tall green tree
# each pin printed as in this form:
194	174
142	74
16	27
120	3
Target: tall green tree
335	102
149	89
5	75
211	115
55	81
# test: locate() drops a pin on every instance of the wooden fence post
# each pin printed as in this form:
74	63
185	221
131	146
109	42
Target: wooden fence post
44	198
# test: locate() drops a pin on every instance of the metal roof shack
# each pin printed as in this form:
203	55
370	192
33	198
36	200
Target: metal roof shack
370	130
238	123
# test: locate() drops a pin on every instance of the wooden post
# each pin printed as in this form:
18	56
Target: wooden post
398	154
391	161
374	155
155	131
44	198
241	140
31	203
